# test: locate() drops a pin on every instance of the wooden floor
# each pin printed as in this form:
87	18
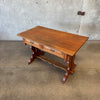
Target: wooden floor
42	81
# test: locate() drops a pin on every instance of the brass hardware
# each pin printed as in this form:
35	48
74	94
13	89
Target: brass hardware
32	42
52	50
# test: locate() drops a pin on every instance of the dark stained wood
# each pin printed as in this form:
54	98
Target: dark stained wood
68	69
72	64
35	52
67	43
33	56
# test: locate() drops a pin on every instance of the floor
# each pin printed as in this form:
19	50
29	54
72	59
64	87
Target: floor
42	81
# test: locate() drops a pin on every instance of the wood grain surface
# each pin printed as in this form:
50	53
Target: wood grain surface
67	43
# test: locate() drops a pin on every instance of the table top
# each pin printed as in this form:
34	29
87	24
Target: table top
65	42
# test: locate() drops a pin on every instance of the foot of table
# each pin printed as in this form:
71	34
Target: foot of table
36	52
70	67
65	76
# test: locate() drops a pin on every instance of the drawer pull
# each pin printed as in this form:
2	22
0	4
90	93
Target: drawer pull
52	50
31	42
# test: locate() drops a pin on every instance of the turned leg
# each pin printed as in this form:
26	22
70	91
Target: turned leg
33	56
70	67
24	41
72	64
35	52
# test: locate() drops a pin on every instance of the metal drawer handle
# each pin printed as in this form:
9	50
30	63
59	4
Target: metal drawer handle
52	50
31	42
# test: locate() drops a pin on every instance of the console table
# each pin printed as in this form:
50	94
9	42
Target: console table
62	44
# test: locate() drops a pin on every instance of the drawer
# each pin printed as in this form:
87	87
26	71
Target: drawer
45	48
53	51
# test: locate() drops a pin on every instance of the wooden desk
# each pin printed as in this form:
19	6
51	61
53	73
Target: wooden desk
62	44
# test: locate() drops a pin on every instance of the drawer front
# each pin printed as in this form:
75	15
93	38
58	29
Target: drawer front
53	51
44	48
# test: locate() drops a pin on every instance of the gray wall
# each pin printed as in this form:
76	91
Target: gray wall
19	15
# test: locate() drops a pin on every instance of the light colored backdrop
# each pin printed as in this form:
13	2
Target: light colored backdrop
19	15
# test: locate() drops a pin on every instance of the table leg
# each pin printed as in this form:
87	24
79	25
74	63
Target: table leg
39	52
70	67
35	52
33	56
24	41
